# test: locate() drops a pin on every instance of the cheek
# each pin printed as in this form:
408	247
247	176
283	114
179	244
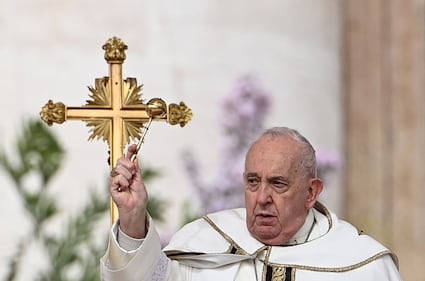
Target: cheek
249	199
286	206
290	209
250	202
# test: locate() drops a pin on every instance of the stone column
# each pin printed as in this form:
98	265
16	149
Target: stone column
384	61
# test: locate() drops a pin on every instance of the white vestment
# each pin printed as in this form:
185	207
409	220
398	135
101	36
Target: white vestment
219	247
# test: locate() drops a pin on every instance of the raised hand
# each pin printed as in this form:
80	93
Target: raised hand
129	194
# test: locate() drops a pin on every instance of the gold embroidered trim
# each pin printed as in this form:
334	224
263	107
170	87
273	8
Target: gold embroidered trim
324	211
233	244
335	269
266	262
278	273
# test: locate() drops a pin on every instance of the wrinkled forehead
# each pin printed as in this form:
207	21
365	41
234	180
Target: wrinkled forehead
271	150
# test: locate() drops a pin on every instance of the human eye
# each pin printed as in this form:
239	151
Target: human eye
252	182
280	185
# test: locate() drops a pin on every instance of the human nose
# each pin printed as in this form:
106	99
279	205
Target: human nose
264	194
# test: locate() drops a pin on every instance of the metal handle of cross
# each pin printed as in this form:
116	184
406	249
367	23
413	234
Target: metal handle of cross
116	111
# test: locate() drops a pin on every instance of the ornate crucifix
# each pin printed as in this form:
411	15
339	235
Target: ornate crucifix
116	111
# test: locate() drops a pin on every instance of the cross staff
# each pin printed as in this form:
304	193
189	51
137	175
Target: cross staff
116	112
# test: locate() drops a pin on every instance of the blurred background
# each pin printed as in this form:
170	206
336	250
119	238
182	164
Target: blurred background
348	74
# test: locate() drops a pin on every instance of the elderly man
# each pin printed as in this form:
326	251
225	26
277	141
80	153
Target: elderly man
284	233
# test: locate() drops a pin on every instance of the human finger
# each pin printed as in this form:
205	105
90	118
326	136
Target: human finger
123	170
119	183
131	150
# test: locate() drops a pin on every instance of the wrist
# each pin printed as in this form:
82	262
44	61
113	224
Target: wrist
134	227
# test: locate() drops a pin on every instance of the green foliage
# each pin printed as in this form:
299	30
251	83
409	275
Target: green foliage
74	254
39	155
77	246
38	152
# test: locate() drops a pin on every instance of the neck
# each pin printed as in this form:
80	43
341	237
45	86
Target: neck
303	234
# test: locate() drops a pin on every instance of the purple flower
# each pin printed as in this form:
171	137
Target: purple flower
245	108
327	162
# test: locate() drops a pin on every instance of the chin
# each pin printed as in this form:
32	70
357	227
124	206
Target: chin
270	241
266	236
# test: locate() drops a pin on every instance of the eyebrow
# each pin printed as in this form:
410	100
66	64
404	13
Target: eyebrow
282	178
254	174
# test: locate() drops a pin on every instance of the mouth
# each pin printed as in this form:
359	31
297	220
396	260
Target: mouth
265	218
265	214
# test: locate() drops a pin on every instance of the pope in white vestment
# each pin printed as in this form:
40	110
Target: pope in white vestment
284	233
219	247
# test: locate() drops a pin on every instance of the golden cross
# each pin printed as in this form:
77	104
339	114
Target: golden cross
116	111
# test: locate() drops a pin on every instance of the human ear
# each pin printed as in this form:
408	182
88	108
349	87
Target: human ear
314	190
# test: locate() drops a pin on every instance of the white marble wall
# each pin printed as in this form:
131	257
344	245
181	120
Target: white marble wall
180	50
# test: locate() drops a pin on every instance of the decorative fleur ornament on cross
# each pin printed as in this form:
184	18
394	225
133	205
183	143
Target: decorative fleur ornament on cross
116	111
